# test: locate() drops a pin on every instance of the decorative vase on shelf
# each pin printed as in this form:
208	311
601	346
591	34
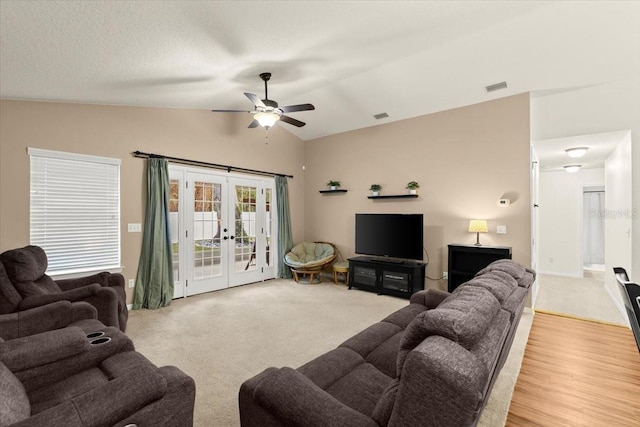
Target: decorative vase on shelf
375	193
413	191
375	189
333	187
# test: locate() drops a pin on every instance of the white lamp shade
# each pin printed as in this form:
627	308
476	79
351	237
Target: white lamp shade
266	119
478	226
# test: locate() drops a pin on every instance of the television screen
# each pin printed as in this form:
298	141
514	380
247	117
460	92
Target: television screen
390	235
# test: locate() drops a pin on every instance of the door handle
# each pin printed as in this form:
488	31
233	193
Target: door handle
231	237
225	238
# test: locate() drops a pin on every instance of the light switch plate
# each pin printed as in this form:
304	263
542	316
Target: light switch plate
501	229
134	228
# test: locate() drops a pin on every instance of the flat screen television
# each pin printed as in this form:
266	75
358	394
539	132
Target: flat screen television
390	235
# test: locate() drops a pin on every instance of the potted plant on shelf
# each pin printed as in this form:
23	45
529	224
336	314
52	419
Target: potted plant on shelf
333	185
375	189
413	187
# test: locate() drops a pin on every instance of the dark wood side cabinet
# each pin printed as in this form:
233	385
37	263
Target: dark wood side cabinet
383	277
466	260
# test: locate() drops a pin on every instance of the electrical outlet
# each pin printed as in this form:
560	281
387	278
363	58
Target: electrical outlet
132	283
445	274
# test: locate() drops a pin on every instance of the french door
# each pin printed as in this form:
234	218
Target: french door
221	230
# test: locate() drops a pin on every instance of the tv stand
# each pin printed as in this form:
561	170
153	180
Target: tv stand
389	277
387	260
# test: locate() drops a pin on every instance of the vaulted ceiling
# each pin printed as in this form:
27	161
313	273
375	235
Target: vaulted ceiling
351	59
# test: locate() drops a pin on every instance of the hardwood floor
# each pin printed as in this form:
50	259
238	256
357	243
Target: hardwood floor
577	373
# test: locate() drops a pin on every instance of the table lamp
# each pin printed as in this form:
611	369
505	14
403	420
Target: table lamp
478	226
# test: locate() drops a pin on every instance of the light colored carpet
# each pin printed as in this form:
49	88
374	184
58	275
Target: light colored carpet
580	297
223	338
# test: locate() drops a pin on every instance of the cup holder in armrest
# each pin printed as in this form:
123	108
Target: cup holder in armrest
100	340
95	335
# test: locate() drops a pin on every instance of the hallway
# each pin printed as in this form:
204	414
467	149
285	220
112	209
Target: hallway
583	298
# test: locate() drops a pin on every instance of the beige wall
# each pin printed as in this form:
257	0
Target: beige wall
116	132
465	160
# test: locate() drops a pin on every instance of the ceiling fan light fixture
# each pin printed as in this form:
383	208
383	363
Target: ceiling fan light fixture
266	119
572	168
576	152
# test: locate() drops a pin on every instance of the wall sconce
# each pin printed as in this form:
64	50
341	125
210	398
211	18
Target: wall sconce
478	226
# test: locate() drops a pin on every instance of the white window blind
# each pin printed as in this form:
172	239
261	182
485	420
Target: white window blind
75	210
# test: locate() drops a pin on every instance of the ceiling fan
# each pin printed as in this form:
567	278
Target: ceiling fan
267	112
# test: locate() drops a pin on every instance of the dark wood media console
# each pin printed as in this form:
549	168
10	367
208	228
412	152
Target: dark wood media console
386	277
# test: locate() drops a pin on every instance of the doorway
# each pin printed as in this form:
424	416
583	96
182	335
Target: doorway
221	229
593	231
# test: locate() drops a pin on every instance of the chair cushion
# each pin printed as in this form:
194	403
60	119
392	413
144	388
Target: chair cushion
25	268
14	403
307	255
25	264
9	296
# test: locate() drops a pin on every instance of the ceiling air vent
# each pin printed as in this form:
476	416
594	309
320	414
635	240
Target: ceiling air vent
497	86
381	116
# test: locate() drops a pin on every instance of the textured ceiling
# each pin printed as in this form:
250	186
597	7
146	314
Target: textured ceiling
350	59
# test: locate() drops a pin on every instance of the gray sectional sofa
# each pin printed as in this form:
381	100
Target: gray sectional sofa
431	363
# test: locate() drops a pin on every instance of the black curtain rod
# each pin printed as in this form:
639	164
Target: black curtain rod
228	168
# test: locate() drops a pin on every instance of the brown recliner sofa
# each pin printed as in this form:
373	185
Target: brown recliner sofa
432	363
69	378
24	285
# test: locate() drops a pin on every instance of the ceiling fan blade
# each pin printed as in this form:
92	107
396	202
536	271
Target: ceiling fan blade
231	111
299	107
292	121
254	124
255	99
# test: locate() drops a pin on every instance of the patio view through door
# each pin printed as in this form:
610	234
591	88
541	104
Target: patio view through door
221	230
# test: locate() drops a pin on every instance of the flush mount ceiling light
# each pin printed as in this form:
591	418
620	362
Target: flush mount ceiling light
266	119
572	168
576	152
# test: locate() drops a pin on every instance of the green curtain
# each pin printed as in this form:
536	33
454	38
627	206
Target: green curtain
285	242
154	281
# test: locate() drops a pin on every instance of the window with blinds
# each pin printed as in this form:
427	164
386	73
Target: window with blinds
75	210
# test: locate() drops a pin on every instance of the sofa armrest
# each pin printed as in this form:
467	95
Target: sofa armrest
44	318
37	350
430	298
290	396
107	404
78	294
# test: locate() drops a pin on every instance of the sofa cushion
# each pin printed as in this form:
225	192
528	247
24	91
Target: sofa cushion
328	368
361	388
67	389
384	356
384	407
25	264
14	403
9	296
405	315
368	340
462	318
499	283
507	266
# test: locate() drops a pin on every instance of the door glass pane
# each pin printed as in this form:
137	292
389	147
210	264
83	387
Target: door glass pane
245	228
206	230
268	225
174	226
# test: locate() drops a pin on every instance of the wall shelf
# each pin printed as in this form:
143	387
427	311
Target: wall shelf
394	196
332	191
